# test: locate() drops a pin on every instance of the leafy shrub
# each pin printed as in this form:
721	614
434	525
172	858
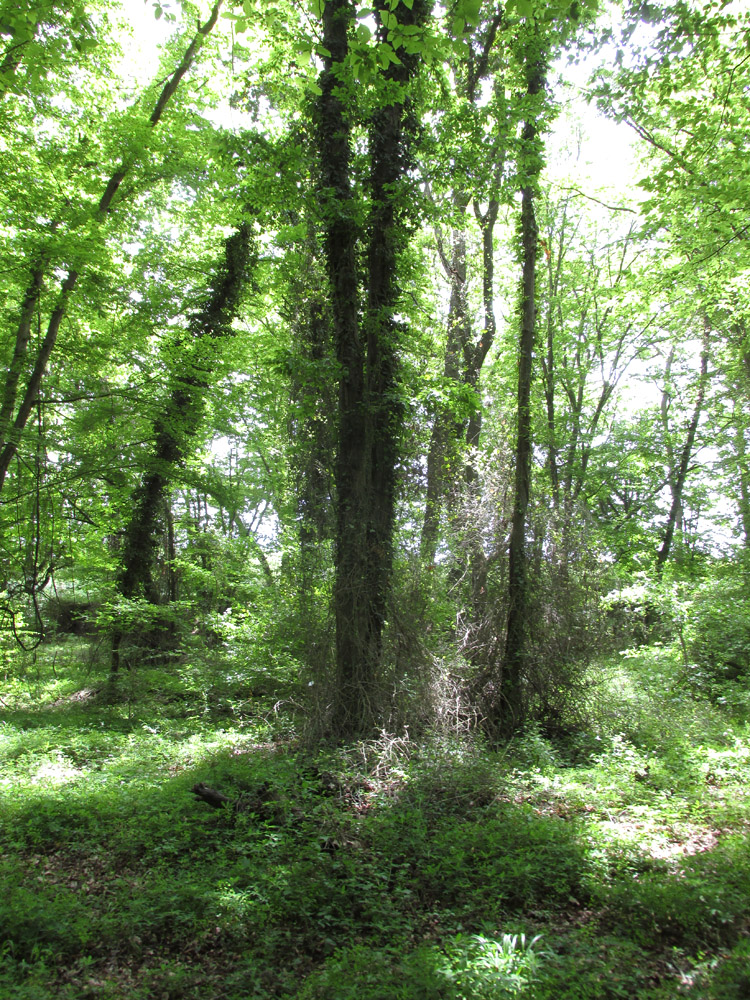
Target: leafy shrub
705	900
484	865
719	625
72	616
34	923
726	977
466	967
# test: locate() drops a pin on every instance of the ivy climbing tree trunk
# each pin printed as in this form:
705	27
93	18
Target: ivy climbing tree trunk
369	410
354	679
181	419
391	131
509	706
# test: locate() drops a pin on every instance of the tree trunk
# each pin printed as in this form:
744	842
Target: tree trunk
508	710
743	473
369	411
442	455
463	357
475	354
181	420
741	407
182	415
20	348
354	680
31	393
679	475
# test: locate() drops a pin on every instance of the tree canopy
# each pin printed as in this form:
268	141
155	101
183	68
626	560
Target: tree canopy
311	301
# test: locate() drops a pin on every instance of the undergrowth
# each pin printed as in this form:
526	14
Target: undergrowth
610	863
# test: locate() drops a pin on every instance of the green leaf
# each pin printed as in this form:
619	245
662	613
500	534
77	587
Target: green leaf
471	10
385	56
314	88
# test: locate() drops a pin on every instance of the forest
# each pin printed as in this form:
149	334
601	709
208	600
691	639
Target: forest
375	499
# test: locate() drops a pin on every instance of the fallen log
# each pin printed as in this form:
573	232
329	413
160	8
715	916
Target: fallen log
216	799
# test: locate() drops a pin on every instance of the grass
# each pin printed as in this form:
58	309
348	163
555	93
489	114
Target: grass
612	864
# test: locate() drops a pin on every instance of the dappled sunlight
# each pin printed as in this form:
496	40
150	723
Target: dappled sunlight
492	868
55	771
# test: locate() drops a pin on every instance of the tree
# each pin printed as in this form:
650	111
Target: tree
14	413
369	409
508	709
468	124
679	463
181	417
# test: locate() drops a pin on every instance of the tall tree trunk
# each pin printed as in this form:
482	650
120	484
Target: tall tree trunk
183	413
442	455
20	348
509	708
391	132
475	354
743	473
181	420
742	405
354	681
463	357
31	394
369	413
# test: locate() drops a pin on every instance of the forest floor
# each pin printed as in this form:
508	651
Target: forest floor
612	864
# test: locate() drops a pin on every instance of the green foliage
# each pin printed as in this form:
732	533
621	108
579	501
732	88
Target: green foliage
467	967
724	977
719	639
544	871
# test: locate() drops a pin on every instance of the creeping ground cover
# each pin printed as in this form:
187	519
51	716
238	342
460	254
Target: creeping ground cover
612	862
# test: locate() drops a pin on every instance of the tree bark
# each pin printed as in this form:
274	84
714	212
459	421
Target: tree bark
354	681
442	455
743	474
20	348
31	393
369	410
183	413
477	353
508	710
391	132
